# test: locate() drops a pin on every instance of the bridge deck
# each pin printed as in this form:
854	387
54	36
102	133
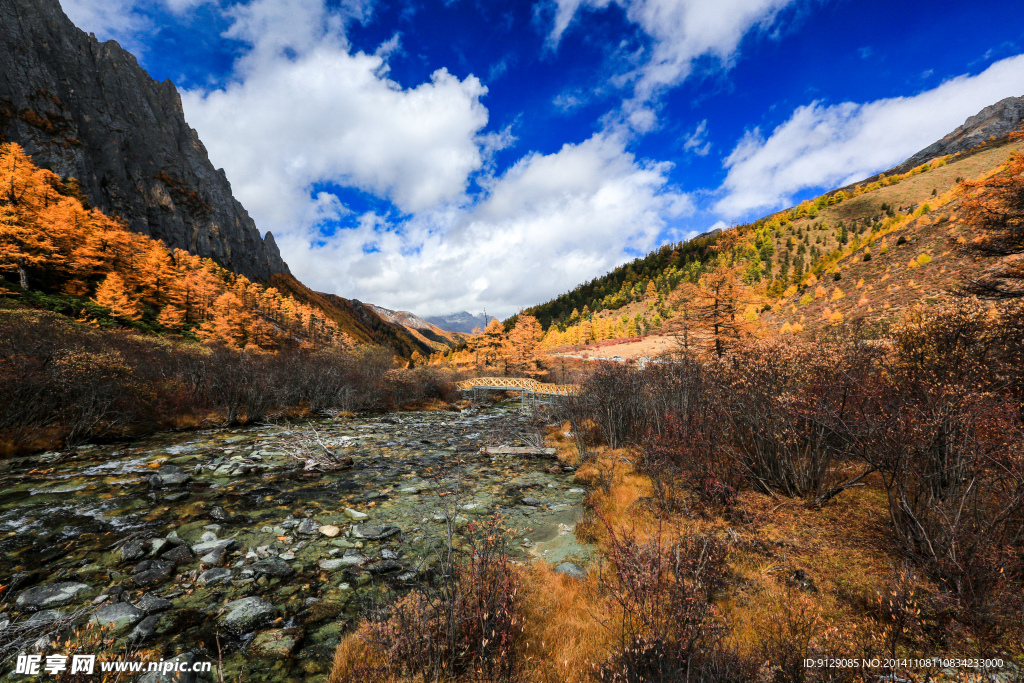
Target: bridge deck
524	384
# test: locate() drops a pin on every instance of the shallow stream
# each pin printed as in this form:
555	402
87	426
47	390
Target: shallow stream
235	538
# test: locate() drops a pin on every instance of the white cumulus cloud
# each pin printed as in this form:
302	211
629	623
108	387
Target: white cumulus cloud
304	110
824	146
545	225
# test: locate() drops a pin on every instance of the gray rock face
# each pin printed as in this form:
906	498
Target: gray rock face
87	110
47	597
246	614
120	615
994	120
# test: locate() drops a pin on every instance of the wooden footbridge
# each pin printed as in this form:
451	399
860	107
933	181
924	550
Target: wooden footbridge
527	387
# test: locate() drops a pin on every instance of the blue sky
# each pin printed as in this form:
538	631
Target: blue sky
441	155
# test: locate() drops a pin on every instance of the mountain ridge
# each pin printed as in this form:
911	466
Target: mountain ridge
462	321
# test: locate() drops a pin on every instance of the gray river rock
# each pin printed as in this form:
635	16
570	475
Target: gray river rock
268	561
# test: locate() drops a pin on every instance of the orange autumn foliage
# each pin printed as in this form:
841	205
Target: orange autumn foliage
47	235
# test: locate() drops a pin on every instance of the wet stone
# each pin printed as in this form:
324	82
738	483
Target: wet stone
182	553
151	577
214	576
532	502
332	564
384	567
308	527
355	515
279	642
169	475
210	546
372	532
272	566
329	530
353	557
214	557
145	628
185	662
150	604
118	616
132	550
246	614
46	597
158	545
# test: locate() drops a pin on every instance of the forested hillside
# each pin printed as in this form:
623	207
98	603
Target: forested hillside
865	252
64	255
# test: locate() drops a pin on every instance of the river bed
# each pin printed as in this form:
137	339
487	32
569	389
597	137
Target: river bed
250	546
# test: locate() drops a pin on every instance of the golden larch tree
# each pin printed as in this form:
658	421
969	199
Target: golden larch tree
113	294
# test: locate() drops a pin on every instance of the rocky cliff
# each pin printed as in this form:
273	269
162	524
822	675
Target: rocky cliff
86	109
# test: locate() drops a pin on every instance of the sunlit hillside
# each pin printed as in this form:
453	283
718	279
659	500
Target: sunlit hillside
863	253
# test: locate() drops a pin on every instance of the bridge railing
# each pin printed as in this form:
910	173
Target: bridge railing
524	384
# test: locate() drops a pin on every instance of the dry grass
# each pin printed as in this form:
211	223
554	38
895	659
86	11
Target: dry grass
563	631
842	547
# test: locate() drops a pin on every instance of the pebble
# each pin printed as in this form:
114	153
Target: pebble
329	530
355	515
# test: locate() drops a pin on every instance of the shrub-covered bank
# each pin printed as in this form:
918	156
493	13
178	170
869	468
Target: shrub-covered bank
64	383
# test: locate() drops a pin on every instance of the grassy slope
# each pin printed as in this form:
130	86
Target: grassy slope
877	291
